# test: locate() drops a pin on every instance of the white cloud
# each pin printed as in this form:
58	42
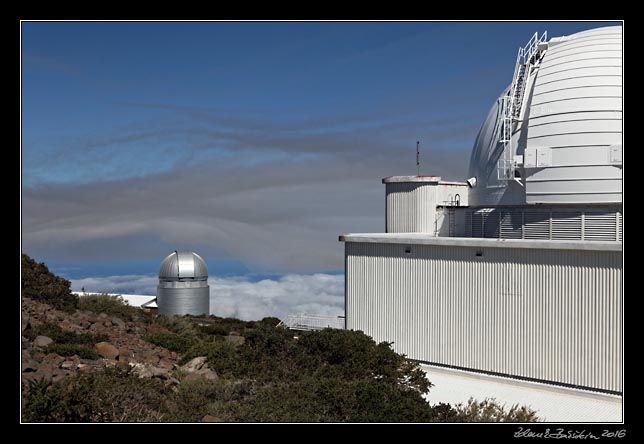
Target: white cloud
241	298
292	293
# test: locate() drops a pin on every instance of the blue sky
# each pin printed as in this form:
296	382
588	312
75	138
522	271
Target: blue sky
255	143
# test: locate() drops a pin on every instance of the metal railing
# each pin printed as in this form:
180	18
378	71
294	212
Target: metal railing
527	56
305	321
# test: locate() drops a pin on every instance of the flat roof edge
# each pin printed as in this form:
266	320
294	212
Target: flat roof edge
434	180
426	239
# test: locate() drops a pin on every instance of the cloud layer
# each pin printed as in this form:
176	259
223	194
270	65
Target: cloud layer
277	203
241	298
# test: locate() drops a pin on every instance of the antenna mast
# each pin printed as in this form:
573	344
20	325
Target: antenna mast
418	158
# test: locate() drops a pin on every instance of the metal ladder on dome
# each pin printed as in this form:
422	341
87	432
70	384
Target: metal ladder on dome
528	57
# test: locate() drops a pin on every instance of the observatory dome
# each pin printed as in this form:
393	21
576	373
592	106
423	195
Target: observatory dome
183	285
554	136
181	265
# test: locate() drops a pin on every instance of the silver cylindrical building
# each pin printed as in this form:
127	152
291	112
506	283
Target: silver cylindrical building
183	285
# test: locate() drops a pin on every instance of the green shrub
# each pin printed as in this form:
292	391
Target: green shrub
199	348
313	399
109	396
222	357
215	330
179	325
224	326
489	410
59	336
221	398
83	351
40	284
170	341
269	322
110	305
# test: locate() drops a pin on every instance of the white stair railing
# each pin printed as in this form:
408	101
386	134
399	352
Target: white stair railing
306	321
528	57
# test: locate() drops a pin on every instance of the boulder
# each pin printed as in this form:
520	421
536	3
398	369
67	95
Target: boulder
38	375
150	371
53	359
107	350
208	374
235	340
118	322
68	365
43	341
65	325
24	321
165	363
210	418
122	365
29	365
194	364
204	373
124	354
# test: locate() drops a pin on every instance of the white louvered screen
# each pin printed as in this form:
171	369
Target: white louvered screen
511	224
600	226
566	225
533	223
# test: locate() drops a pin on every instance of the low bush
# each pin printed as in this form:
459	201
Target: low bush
170	341
109	396
179	325
489	410
82	351
200	397
269	322
224	326
222	356
110	305
40	284
60	336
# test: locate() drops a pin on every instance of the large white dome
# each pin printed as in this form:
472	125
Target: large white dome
568	140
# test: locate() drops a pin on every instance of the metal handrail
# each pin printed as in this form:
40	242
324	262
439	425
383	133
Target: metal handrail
306	321
511	103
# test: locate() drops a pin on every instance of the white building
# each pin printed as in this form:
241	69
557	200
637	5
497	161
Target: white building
510	282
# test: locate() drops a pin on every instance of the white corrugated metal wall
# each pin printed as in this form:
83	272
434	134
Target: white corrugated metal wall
546	314
411	206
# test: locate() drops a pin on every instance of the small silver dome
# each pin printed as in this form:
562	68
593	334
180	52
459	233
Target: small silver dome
181	265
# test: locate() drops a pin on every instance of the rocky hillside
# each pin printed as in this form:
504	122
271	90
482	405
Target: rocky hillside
121	345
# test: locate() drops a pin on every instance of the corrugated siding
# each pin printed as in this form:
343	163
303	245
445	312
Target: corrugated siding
183	300
575	116
411	206
552	315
